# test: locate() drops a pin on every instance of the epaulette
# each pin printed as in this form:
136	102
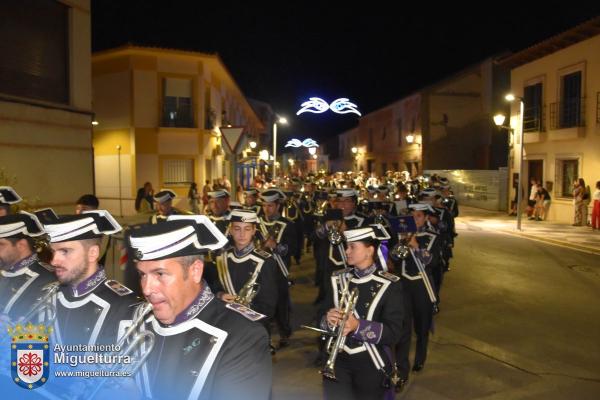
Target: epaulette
388	276
117	287
245	311
46	266
262	253
341	271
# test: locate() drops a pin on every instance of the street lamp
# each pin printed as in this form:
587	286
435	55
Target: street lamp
354	150
312	151
282	121
252	144
511	97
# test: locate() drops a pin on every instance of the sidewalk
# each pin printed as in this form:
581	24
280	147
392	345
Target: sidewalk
574	237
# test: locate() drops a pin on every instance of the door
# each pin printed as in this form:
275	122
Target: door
536	170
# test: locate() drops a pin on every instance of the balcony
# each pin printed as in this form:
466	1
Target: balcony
567	119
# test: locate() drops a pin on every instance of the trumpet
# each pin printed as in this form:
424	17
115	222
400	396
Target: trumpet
335	344
248	291
334	234
402	249
135	339
44	305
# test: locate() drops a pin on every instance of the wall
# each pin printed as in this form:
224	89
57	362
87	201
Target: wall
477	188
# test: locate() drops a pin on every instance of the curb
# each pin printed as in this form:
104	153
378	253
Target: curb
572	246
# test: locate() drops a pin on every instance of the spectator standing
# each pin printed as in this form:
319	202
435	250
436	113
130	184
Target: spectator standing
144	201
226	184
207	188
531	201
193	198
596	209
543	200
579	203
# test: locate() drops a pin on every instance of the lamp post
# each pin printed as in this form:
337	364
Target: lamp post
282	121
355	159
119	168
511	97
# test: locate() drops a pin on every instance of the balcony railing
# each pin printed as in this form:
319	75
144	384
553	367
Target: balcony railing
567	114
533	120
177	113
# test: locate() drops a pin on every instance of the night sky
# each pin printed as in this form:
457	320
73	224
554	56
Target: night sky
374	53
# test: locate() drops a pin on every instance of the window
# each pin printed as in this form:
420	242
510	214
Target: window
567	172
370	147
34	37
395	167
178	172
177	103
383	168
570	100
532	120
370	165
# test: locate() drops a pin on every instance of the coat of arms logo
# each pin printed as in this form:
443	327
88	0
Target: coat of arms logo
30	355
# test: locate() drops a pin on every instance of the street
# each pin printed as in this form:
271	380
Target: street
518	320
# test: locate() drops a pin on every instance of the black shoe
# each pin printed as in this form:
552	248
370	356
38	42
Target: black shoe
400	385
417	367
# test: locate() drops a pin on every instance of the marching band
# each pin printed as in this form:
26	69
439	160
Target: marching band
213	288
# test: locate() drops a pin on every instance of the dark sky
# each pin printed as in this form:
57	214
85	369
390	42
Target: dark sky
373	53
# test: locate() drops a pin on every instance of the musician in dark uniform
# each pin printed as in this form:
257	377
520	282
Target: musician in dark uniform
218	209
243	265
279	236
419	293
251	201
364	367
22	274
7	197
163	204
204	348
89	306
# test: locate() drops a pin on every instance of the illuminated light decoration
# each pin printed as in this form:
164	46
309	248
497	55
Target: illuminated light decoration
305	143
317	105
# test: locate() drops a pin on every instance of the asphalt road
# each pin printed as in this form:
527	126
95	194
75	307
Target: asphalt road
519	319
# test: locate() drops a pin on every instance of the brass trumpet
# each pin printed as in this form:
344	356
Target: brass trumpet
44	306
402	249
335	344
248	291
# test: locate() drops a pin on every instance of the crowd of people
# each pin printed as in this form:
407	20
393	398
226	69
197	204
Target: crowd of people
209	289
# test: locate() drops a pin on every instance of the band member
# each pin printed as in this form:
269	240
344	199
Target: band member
87	202
7	197
279	236
347	200
292	212
372	325
419	293
88	305
204	348
218	209
244	268
163	204
251	201
22	275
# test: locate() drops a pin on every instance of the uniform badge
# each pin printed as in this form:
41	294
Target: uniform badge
388	276
245	311
30	355
118	288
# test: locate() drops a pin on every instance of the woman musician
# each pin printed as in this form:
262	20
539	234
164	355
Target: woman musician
363	367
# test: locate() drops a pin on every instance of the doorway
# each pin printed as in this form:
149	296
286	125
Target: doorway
535	169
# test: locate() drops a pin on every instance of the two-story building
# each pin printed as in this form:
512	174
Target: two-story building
45	102
559	82
160	114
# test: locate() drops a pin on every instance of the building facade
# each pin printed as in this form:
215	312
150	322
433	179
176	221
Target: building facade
559	82
160	114
45	102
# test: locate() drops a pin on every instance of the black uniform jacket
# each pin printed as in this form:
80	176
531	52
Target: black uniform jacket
209	352
379	309
21	286
231	273
90	312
